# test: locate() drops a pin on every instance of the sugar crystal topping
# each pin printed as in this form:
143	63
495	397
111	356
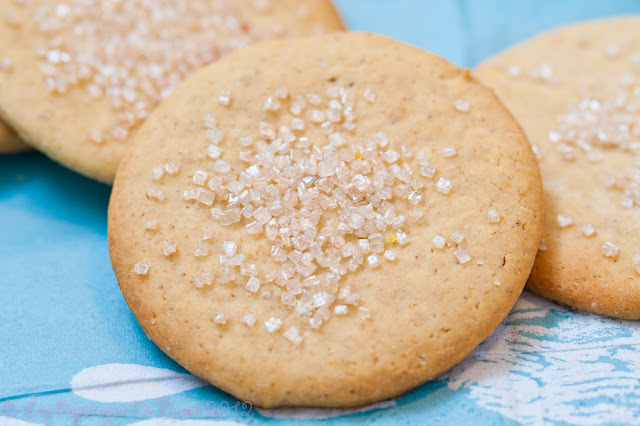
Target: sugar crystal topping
249	319
493	215
273	324
609	249
134	53
141	268
449	151
220	318
328	207
544	73
293	335
604	123
462	105
588	230
170	247
203	280
439	241
152	225
443	186
457	237
462	255
564	220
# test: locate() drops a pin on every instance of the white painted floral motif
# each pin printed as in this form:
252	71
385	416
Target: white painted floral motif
548	364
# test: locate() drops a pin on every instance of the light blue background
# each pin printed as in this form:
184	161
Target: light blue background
60	306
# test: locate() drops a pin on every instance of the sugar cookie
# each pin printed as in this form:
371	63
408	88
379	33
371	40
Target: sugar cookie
91	72
576	91
350	222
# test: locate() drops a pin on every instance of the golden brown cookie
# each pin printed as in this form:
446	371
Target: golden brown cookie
91	72
9	141
352	223
576	92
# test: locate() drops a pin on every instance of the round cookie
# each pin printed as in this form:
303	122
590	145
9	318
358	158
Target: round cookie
354	221
9	141
575	92
90	73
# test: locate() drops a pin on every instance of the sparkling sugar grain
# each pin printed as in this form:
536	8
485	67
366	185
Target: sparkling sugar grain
249	319
443	186
462	105
457	237
439	241
609	249
203	280
152	225
588	230
462	255
273	324
293	335
544	73
493	215
564	221
449	151
170	247
220	318
141	268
